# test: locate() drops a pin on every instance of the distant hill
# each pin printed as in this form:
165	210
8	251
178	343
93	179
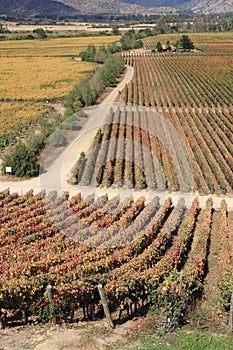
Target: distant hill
157	3
197	6
115	7
75	8
150	6
35	8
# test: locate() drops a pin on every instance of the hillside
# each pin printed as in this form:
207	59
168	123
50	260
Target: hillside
77	8
197	6
35	8
210	6
151	6
116	7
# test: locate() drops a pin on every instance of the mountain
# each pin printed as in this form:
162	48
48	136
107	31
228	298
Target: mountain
157	3
75	8
116	7
36	8
210	6
150	6
197	6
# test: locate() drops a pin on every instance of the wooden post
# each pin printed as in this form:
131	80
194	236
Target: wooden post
105	305
231	312
49	290
3	319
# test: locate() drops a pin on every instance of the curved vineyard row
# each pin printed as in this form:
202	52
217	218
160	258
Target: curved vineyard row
146	243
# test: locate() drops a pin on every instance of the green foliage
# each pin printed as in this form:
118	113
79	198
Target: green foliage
69	123
195	340
83	94
113	48
100	55
86	91
55	311
130	40
79	168
185	43
57	139
88	54
159	46
98	138
225	284
22	158
172	309
115	29
40	32
111	69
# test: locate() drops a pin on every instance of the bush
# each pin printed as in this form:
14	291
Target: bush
22	158
57	139
57	310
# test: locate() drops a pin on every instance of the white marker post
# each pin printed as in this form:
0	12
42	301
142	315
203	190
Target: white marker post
8	169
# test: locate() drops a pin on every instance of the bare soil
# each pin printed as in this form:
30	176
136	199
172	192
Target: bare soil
77	336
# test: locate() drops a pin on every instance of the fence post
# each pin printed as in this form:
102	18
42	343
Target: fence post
49	290
3	320
105	305
231	312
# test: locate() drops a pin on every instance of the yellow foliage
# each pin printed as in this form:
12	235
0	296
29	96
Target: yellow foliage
12	114
36	78
39	70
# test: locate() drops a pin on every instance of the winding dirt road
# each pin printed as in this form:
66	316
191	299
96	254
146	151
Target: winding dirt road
59	171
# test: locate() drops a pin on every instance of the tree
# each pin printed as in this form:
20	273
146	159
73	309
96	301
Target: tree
168	44
115	29
89	54
40	32
100	55
22	159
185	43
159	46
57	139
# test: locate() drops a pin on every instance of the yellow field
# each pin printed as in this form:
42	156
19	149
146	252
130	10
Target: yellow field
37	78
45	69
39	70
12	114
51	47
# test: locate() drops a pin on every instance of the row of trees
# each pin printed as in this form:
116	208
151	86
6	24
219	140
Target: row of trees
87	90
129	40
208	23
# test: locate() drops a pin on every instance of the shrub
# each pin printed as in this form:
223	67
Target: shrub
57	139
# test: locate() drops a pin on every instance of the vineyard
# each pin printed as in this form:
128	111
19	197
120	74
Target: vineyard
13	115
33	73
136	148
170	130
197	102
131	247
210	43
